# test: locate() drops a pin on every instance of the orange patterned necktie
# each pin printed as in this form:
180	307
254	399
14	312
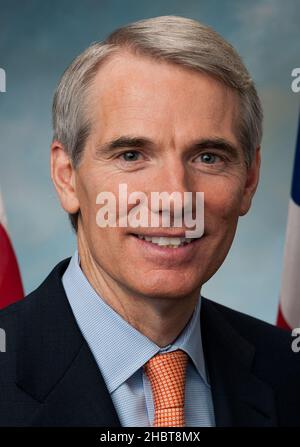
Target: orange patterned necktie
166	373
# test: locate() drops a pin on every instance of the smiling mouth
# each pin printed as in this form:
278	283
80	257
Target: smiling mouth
166	241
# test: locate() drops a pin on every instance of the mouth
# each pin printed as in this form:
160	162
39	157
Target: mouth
163	241
162	248
166	241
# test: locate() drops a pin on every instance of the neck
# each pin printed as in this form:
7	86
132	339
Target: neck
159	319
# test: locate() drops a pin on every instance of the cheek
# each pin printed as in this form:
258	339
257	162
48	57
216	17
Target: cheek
87	190
84	195
222	204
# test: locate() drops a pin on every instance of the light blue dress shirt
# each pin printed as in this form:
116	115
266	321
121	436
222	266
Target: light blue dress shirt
120	351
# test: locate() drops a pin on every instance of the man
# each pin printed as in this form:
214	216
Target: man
120	335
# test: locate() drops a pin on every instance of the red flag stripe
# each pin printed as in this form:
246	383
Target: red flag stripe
11	289
281	321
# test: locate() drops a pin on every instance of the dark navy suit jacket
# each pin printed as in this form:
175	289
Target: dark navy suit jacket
48	375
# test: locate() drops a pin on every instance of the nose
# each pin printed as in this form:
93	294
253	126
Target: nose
172	175
172	182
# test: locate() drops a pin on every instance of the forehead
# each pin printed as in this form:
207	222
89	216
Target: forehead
156	97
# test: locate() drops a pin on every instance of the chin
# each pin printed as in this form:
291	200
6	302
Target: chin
166	288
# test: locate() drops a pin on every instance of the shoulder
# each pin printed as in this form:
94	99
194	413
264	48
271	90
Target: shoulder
249	327
274	356
12	316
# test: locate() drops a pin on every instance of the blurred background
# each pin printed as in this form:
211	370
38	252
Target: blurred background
38	39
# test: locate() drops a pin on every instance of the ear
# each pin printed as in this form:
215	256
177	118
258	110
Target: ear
251	183
63	177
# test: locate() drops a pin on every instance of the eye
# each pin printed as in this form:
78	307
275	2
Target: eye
209	158
130	155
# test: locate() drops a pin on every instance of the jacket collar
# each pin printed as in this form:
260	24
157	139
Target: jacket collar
240	397
56	367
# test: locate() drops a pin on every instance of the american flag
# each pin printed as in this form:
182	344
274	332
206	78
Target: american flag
289	306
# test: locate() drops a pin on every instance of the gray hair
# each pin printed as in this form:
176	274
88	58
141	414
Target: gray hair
178	40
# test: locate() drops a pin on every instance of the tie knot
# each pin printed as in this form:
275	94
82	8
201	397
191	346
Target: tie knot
166	373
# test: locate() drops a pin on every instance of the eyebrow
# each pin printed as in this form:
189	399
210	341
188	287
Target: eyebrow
134	142
124	142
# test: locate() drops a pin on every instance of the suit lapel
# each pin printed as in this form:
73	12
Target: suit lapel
240	398
55	365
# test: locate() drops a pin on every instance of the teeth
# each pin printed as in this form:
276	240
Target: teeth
170	242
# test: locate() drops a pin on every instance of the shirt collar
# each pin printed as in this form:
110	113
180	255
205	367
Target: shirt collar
124	345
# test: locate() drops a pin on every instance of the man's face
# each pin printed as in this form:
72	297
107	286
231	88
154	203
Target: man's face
170	110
